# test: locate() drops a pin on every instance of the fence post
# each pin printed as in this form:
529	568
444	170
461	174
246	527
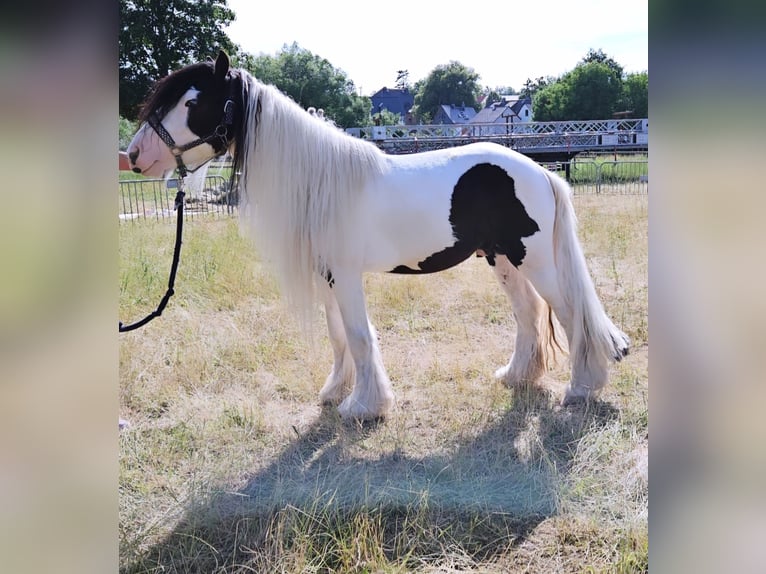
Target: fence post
598	178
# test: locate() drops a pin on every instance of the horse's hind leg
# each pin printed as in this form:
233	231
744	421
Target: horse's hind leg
527	364
586	326
342	374
372	396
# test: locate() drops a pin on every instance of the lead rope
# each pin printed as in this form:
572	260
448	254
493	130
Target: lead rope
179	206
221	131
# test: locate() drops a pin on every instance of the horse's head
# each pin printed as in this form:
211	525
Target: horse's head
191	116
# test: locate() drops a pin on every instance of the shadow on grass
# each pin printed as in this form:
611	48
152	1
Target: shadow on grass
318	508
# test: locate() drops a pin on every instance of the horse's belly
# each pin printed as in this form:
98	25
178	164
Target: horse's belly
405	230
439	261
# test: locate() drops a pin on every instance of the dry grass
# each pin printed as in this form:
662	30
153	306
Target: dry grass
231	466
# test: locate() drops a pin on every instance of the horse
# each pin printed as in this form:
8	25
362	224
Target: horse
326	207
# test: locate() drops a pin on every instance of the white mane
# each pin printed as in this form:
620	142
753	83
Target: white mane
301	178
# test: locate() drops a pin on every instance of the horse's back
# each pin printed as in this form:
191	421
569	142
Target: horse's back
450	164
529	182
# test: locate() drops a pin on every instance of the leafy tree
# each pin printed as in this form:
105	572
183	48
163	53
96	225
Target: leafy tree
635	94
311	80
387	118
491	95
357	114
592	91
550	102
159	36
452	83
531	87
402	79
127	130
600	57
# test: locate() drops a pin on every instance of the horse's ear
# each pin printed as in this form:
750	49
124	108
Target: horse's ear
221	66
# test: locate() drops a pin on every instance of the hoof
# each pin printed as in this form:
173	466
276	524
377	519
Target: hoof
333	390
621	347
352	409
513	380
502	375
330	399
577	396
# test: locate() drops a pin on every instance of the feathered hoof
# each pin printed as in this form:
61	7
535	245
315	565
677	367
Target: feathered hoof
621	346
578	396
512	379
331	395
502	375
353	409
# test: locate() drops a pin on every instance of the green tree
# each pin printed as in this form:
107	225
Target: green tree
600	57
452	83
311	80
387	118
635	94
531	87
126	131
592	91
160	36
550	102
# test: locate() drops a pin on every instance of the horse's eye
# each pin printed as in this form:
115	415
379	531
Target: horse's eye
190	103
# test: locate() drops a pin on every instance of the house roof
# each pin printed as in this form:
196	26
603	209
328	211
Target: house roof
457	114
392	99
493	112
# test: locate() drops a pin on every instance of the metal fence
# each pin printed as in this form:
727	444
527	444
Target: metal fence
153	198
614	177
526	137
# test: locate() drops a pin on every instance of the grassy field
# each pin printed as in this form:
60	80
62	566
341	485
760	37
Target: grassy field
230	465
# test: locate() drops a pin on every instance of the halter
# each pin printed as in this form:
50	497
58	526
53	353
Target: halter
221	133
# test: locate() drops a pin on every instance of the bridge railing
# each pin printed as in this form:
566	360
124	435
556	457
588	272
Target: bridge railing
511	128
523	135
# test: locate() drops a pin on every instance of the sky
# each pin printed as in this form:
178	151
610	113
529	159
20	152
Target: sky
504	42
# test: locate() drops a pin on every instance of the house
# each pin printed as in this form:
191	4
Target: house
394	100
510	111
451	114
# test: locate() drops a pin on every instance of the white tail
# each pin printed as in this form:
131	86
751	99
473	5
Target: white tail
594	341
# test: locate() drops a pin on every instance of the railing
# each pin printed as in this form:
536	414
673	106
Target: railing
154	198
612	177
565	135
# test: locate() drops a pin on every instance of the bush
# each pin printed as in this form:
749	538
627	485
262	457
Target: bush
127	129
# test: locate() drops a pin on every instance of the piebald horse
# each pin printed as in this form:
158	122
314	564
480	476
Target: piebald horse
325	207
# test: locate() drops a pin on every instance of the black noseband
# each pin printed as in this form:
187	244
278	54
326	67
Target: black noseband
220	133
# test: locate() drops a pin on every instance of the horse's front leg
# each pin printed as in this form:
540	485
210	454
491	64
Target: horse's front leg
372	396
343	372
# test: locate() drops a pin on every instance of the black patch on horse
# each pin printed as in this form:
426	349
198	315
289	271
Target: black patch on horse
485	214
